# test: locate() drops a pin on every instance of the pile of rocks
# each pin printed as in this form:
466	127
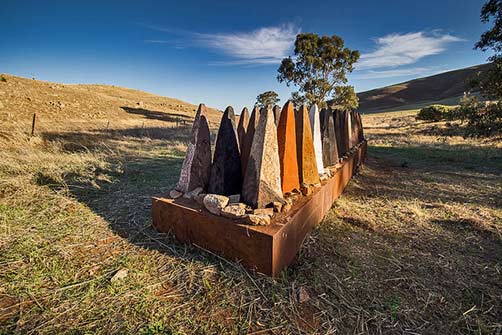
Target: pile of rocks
231	207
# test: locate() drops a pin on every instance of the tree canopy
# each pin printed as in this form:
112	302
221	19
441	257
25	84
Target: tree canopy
491	86
319	66
269	98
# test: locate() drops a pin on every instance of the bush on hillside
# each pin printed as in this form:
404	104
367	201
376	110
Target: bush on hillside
434	113
2	79
483	118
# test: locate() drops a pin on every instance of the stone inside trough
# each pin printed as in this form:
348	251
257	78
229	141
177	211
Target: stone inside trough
262	183
307	165
196	167
315	126
248	138
226	178
286	138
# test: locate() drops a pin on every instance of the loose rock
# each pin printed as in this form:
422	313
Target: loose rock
175	194
119	275
193	193
258	220
264	211
214	203
234	211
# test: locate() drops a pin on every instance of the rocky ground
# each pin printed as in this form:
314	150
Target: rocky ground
412	247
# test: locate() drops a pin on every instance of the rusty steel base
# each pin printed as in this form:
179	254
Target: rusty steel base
266	249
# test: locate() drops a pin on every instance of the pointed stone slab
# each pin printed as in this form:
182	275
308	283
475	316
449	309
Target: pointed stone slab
242	127
196	167
338	118
329	146
277	114
307	166
315	125
262	184
360	125
248	139
286	138
226	170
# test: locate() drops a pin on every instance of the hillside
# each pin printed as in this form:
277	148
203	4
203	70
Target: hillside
446	88
70	107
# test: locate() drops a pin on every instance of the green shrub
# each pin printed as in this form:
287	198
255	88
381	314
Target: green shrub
482	118
3	79
434	113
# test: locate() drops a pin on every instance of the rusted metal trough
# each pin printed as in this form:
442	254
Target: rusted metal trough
266	249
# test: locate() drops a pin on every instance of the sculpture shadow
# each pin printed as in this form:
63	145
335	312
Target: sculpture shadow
158	115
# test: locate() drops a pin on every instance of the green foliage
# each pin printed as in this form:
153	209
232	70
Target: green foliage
482	118
344	98
434	113
298	99
3	79
269	98
320	65
491	86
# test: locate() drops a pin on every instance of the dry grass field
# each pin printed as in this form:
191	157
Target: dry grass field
414	245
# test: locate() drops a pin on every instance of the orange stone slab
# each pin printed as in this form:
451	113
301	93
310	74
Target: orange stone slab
288	159
307	165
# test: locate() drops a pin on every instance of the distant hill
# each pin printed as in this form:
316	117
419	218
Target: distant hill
445	88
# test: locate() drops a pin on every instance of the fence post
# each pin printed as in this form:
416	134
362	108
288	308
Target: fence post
33	124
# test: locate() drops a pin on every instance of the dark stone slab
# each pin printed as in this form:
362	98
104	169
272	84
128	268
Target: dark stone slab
226	170
329	146
196	167
277	114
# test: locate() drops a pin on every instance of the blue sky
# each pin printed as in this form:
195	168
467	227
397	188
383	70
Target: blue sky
226	52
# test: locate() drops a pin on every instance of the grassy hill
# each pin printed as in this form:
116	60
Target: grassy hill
445	88
71	107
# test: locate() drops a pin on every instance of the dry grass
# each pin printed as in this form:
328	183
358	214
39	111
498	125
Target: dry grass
412	247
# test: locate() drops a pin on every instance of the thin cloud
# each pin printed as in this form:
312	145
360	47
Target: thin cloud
404	49
267	45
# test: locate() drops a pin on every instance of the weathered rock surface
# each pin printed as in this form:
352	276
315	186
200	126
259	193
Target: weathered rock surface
175	194
196	167
258	220
234	211
226	178
264	211
200	198
286	139
329	146
214	203
315	125
192	193
307	166
277	114
262	184
248	139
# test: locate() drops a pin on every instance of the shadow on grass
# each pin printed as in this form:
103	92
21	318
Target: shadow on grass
160	116
94	139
